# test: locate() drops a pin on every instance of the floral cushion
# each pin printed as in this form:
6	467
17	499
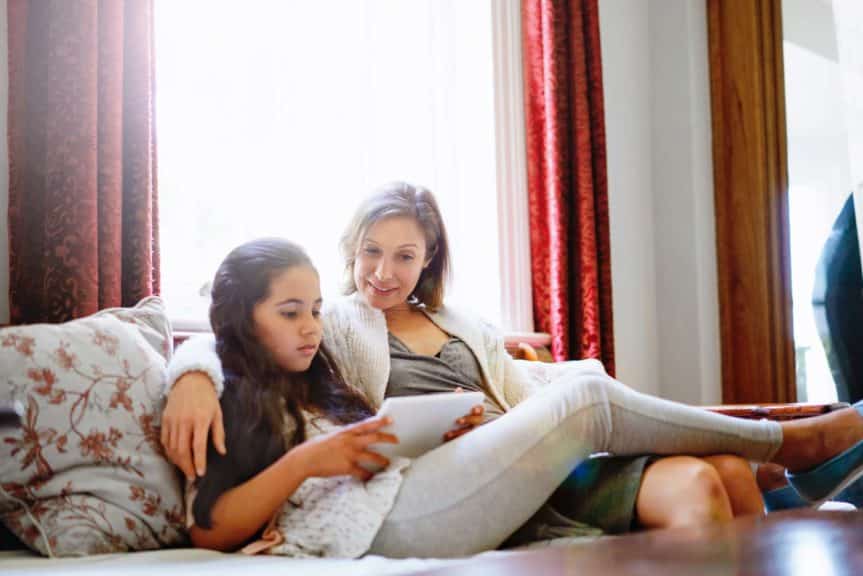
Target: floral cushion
85	474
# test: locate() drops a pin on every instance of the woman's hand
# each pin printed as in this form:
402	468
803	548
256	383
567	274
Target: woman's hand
342	452
191	413
466	423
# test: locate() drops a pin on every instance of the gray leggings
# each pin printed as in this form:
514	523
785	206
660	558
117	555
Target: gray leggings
470	494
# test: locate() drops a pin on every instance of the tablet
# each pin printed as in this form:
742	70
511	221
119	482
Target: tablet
421	421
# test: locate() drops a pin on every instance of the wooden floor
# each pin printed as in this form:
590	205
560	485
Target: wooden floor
801	542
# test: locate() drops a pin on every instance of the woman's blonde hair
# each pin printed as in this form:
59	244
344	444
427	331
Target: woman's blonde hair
400	199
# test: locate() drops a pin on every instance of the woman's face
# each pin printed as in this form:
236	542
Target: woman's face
287	321
389	261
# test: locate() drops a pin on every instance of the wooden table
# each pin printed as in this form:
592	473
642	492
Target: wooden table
798	542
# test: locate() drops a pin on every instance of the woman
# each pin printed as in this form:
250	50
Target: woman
396	254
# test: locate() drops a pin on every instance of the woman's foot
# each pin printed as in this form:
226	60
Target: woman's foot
811	441
824	455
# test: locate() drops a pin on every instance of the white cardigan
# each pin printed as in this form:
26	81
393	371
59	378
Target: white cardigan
356	336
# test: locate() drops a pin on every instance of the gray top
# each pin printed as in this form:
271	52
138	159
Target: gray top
453	367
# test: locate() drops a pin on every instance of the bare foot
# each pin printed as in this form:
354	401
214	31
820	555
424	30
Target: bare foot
811	441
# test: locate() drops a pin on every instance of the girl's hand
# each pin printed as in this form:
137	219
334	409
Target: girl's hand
342	452
467	422
191	413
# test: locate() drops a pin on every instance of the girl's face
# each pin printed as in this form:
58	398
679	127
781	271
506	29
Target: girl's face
389	261
287	321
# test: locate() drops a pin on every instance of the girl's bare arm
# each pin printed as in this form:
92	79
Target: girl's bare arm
242	511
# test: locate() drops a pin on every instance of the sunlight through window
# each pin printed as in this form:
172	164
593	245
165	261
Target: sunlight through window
276	117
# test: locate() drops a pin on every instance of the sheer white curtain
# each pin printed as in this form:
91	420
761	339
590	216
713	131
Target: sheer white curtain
276	117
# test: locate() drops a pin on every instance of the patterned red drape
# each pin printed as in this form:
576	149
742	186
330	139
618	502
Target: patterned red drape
83	232
568	193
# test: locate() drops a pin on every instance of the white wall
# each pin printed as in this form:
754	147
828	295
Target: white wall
682	155
657	103
625	65
4	168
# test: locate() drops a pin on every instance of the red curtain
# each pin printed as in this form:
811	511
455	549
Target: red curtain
568	192
82	157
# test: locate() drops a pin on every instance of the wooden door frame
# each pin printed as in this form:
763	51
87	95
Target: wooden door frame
751	199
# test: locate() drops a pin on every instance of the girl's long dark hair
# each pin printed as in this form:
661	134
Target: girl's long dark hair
258	392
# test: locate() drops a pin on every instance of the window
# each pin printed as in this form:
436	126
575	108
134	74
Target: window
823	60
276	117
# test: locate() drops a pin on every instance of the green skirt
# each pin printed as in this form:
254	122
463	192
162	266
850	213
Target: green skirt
601	492
597	498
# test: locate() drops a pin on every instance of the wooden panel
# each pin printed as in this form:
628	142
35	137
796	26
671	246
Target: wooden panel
751	199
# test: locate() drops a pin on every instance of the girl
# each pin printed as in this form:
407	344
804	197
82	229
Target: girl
282	391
